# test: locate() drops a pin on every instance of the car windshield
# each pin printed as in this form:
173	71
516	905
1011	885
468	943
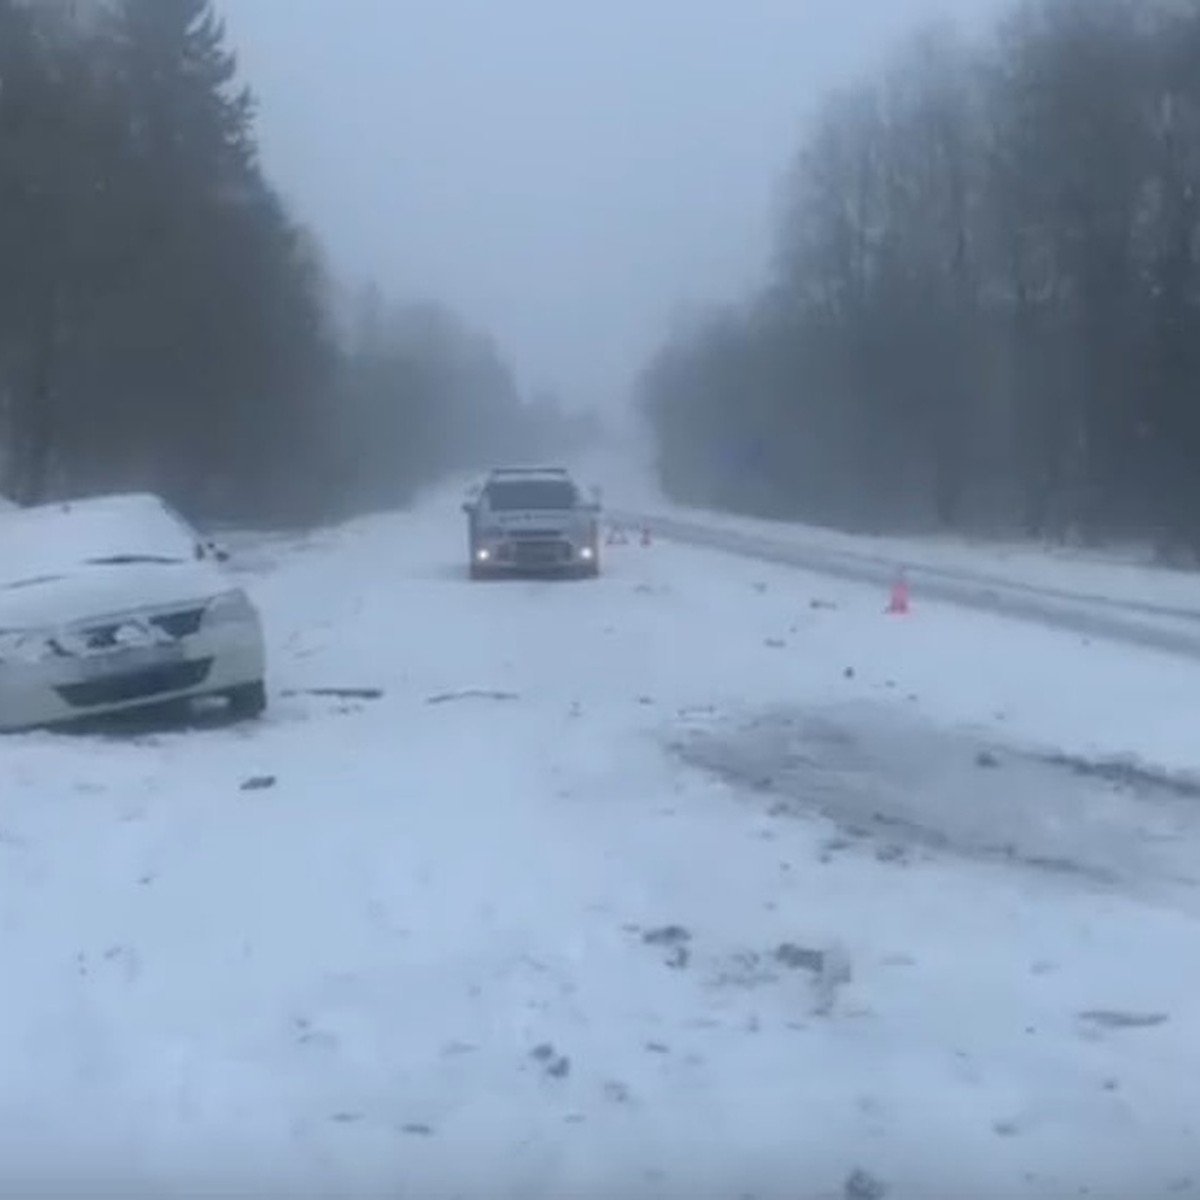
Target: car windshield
531	493
46	543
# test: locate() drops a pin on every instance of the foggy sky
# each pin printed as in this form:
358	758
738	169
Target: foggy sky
566	173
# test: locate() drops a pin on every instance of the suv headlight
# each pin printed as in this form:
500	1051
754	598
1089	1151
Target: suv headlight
231	607
27	647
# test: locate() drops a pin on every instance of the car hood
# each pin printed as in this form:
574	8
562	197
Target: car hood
83	592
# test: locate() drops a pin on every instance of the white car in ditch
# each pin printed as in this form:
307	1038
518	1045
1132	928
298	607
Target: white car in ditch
116	603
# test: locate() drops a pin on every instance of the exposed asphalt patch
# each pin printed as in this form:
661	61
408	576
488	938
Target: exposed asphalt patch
1131	775
896	785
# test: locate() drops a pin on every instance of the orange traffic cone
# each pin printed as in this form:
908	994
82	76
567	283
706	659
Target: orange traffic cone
898	600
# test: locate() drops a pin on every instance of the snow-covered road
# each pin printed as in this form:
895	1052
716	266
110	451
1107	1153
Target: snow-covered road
703	879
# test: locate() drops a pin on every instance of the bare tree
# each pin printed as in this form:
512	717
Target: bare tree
984	306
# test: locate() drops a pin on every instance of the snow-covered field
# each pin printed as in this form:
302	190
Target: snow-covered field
704	879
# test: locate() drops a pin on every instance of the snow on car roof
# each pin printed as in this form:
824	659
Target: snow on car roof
53	539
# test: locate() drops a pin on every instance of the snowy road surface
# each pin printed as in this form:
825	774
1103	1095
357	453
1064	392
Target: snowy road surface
704	879
1142	623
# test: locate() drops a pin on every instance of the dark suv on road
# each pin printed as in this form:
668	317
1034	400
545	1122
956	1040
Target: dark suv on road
533	520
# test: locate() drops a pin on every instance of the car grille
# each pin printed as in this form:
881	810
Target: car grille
137	685
178	624
541	553
182	623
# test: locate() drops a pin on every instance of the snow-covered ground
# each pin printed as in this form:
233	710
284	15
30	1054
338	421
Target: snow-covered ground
703	879
1123	576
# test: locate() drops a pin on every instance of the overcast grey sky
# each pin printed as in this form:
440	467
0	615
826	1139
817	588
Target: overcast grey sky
565	173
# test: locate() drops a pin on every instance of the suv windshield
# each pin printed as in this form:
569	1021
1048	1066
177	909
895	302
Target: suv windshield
531	493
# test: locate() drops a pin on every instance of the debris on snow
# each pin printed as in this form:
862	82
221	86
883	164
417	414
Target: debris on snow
679	958
861	1185
667	935
259	783
833	974
798	958
339	693
830	968
1110	1019
556	1065
472	694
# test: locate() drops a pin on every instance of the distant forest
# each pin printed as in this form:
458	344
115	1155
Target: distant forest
983	312
165	324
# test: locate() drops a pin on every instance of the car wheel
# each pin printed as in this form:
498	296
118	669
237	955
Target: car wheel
247	701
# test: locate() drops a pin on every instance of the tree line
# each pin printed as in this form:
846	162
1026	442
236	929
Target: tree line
983	311
166	324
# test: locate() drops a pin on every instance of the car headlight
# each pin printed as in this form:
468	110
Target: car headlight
586	553
27	647
232	607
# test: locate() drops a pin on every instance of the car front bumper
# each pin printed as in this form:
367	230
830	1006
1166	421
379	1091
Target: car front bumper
535	555
59	690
